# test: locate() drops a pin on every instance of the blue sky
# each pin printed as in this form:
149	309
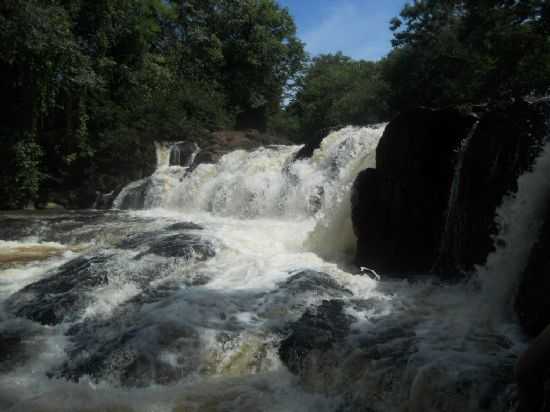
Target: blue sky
357	28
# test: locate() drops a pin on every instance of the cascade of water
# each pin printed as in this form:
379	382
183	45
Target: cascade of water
162	150
333	237
266	183
451	213
202	333
519	218
183	153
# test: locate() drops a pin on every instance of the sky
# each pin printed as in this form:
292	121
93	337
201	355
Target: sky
357	28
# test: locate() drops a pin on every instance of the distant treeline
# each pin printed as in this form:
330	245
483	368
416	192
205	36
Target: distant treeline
88	85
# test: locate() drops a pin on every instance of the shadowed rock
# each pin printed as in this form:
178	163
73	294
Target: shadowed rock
430	203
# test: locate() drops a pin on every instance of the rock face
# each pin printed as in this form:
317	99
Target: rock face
430	203
398	209
505	145
532	303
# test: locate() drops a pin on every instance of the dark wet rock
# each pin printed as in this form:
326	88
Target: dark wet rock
132	352
532	304
12	351
291	298
507	141
398	209
62	295
401	212
184	226
319	329
137	240
181	245
154	337
181	153
104	201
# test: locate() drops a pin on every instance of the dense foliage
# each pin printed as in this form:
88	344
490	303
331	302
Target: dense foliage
90	84
458	51
337	90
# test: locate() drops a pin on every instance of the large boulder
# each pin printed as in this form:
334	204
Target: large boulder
398	209
440	175
506	144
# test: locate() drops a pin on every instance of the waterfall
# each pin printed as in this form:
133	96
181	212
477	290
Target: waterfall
229	279
173	159
519	218
162	150
268	183
451	213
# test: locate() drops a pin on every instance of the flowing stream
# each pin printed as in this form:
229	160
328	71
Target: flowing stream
184	305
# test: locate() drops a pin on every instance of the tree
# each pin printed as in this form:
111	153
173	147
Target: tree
92	83
261	56
337	90
457	51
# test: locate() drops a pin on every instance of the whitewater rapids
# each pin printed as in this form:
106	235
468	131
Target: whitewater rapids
150	331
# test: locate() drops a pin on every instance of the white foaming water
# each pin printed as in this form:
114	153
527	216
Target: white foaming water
162	150
267	183
519	218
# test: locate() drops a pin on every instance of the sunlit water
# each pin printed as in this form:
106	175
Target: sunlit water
202	332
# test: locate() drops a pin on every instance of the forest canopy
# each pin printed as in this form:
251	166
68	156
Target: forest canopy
90	84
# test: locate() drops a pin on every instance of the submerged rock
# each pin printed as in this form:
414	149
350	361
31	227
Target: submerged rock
132	351
62	295
319	329
184	226
312	281
182	245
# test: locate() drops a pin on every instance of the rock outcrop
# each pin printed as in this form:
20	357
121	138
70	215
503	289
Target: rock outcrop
440	175
398	208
